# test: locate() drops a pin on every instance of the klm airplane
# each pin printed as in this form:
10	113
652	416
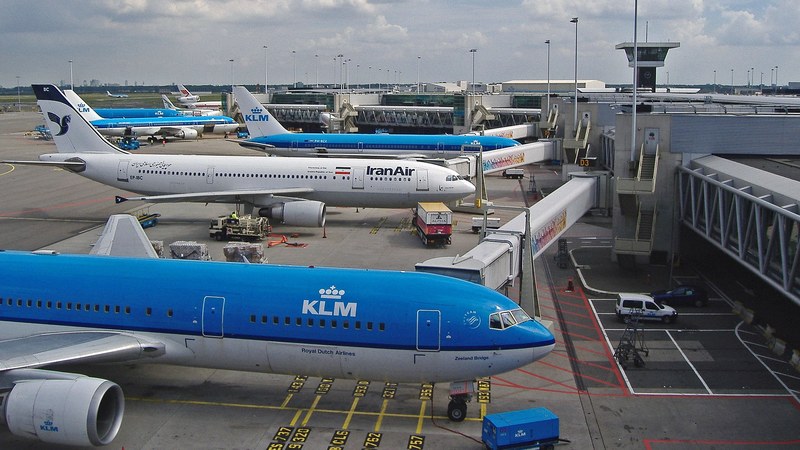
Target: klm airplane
325	322
184	127
268	135
294	191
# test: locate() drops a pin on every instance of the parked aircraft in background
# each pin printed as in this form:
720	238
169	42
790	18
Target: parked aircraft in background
189	111
268	135
178	126
116	95
325	322
192	101
294	191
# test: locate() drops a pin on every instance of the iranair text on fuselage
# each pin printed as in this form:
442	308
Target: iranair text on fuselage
389	171
330	304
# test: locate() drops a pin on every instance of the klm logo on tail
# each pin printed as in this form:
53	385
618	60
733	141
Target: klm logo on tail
256	115
62	122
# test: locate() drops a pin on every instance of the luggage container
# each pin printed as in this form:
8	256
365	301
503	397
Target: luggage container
528	428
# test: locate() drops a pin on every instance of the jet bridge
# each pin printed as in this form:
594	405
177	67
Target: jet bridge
750	214
497	260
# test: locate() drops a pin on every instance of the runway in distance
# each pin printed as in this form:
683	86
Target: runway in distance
116	95
177	126
192	101
294	191
268	135
326	322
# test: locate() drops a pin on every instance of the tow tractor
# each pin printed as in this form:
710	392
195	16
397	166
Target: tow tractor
245	228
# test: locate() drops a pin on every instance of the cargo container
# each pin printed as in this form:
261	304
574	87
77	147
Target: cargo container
528	428
434	222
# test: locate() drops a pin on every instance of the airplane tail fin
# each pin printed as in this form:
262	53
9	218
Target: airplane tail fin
258	120
184	92
71	131
84	109
167	102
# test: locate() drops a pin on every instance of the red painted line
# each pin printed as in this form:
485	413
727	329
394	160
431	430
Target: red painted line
550	380
582	348
597	380
648	443
579	325
585	363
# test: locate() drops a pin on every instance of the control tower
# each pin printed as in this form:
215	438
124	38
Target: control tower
651	55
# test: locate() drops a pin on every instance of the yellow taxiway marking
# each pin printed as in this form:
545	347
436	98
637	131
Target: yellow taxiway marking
379	422
11	169
296	416
382	413
311	410
286	400
421	416
350	414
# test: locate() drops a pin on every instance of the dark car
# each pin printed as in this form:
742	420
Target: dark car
686	294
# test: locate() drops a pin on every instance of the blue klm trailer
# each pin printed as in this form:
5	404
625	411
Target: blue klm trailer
528	428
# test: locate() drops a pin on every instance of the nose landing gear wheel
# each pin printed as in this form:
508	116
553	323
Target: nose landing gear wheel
457	410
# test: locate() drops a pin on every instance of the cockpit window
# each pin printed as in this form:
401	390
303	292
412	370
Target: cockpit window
454	178
505	319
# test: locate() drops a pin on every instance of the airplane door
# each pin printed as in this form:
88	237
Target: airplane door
358	178
122	170
422	179
213	311
428	330
440	148
210	175
360	147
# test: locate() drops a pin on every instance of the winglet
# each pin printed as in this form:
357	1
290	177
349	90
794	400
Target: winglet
124	236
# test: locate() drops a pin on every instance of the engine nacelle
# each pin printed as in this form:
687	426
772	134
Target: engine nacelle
302	213
186	133
79	411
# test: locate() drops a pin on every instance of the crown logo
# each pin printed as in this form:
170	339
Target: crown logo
256	110
331	292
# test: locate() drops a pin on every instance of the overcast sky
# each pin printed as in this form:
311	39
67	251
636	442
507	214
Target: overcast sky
192	41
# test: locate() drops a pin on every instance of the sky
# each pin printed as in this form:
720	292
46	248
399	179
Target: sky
192	41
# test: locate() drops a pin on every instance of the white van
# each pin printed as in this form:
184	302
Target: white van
645	307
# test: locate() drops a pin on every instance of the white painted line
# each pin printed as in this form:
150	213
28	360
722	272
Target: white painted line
613	350
686	358
790	391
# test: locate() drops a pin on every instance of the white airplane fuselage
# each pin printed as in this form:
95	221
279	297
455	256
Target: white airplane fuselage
380	184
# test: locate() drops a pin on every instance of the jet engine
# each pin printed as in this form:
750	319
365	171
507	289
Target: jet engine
186	133
77	411
302	213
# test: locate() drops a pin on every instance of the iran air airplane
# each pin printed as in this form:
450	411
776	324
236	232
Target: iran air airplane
178	126
268	135
324	322
294	191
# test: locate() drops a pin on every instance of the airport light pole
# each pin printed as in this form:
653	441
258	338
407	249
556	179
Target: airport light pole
19	99
715	81
418	60
266	73
732	91
294	68
575	118
548	77
71	84
232	82
316	67
473	51
776	77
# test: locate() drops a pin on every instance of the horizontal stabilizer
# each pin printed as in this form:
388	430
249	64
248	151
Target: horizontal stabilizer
124	236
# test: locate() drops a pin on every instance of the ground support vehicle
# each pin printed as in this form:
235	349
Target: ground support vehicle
492	223
514	174
128	143
643	306
242	228
434	223
528	428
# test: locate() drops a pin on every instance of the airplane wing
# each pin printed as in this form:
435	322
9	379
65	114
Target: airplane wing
76	347
123	236
218	196
267	148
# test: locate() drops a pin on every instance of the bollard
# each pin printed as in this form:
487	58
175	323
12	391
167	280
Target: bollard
570	285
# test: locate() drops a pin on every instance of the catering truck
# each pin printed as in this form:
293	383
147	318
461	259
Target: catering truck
434	222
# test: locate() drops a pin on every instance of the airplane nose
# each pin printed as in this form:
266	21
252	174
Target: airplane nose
467	188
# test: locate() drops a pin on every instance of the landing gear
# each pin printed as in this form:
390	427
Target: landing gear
457	408
460	394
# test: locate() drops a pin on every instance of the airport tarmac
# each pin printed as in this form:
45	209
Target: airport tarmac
708	380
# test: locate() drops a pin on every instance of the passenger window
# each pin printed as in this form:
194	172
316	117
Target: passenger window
252	318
